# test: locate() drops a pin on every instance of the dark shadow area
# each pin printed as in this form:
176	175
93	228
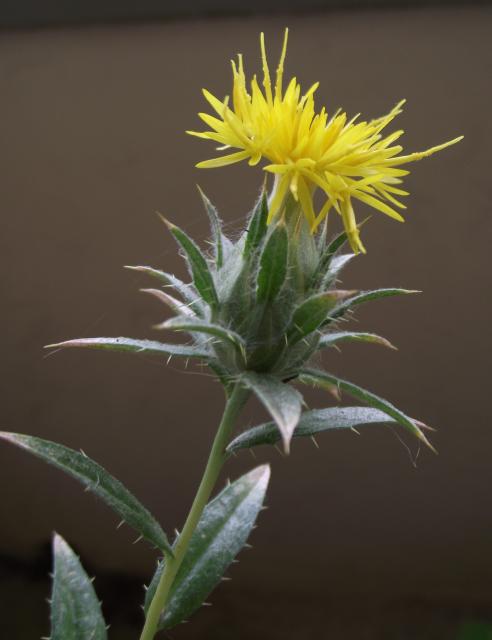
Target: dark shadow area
30	13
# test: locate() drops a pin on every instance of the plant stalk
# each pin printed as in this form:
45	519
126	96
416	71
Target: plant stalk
216	459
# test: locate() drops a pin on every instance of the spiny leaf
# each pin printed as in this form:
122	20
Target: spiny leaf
97	480
150	271
366	296
257	227
202	278
186	291
194	325
282	401
336	244
134	346
173	303
219	238
310	424
316	377
273	264
331	339
311	313
326	257
220	535
75	610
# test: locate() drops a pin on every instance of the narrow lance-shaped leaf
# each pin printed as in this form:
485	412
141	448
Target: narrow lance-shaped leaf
282	401
173	303
220	535
219	238
75	610
273	264
311	313
146	347
195	325
97	480
202	278
332	339
316	377
311	423
162	276
257	225
186	291
326	257
366	296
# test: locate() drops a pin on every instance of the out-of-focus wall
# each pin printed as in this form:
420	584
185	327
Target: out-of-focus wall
92	143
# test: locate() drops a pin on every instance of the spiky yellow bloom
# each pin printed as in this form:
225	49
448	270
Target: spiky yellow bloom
307	150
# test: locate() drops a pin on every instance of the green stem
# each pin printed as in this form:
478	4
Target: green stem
216	459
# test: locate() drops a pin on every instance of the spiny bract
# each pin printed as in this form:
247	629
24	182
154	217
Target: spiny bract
259	308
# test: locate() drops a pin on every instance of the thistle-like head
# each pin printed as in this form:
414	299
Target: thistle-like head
309	150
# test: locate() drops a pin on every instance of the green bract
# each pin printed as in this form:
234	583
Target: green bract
259	307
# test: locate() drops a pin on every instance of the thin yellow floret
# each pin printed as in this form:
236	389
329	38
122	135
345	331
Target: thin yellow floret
307	150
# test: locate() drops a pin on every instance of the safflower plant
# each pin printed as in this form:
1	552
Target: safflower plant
257	311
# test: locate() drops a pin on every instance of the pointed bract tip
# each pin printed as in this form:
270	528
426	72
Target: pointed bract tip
157	293
422	425
6	435
168	224
286	445
423	438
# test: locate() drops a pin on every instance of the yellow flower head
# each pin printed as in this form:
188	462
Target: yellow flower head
307	150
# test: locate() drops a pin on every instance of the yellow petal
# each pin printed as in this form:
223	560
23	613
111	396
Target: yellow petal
377	204
278	197
412	157
306	200
223	160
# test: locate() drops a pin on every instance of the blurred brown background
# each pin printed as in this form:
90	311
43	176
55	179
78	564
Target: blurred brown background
358	542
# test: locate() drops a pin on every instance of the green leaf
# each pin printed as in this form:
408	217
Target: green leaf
220	535
219	238
147	347
96	479
311	314
332	339
326	257
202	278
310	424
336	244
282	401
273	264
257	227
186	291
316	377
366	296
75	610
194	325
